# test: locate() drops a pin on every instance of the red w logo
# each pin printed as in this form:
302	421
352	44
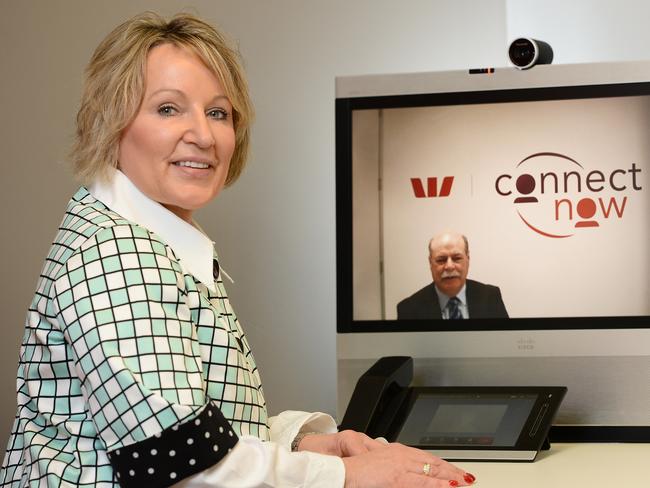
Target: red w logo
432	187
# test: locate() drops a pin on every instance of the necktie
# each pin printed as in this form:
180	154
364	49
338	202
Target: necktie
453	309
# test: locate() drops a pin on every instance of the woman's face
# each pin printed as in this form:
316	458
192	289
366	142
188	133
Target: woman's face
177	150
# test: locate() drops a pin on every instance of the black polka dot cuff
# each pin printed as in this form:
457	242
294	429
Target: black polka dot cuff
175	453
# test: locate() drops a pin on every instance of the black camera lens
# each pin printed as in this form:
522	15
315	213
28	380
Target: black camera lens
526	53
522	51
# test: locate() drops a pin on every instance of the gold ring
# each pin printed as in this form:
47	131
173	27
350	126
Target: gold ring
426	469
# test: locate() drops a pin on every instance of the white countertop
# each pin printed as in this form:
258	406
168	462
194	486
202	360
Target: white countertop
570	466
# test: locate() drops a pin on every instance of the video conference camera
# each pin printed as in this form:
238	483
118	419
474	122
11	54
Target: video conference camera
526	53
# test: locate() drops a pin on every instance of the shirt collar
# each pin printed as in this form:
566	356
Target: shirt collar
443	299
195	251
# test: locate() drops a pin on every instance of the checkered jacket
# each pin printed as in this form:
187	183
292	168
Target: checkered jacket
121	349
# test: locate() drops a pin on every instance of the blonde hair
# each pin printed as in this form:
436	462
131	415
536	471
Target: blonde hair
114	88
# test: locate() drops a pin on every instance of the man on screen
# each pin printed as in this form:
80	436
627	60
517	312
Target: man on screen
452	295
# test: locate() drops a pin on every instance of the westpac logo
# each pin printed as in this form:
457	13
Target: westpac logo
432	187
556	196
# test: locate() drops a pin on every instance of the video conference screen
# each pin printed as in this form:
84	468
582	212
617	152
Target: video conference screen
549	186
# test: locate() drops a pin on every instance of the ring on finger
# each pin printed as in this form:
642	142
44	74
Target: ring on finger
426	469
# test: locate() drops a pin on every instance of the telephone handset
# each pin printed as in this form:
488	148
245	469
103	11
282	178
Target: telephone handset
378	396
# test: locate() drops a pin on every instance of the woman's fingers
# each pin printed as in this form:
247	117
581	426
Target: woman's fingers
442	471
415	480
353	443
422	463
396	466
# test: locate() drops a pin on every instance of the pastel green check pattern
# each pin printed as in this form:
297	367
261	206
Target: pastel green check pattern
120	344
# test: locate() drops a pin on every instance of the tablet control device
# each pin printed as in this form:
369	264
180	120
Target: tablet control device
500	423
478	423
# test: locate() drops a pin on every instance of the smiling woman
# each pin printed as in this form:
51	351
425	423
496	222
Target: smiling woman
134	370
178	147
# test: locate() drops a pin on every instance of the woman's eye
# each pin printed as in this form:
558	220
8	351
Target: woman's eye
166	110
218	113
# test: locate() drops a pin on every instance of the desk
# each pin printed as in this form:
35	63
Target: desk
569	466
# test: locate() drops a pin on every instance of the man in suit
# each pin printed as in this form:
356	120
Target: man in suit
452	295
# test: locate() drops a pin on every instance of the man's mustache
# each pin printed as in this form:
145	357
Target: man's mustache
450	274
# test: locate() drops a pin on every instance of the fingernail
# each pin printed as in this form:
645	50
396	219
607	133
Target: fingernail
469	478
453	483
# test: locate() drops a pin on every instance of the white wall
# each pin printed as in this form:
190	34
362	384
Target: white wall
584	31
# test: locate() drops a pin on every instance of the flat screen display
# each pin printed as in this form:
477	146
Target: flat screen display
550	186
481	420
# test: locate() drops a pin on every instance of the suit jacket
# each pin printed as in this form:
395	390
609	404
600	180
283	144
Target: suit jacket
483	301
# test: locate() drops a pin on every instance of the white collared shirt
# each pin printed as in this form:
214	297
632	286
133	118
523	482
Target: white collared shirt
195	251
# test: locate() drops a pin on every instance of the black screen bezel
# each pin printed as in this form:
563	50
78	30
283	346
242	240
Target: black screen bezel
345	301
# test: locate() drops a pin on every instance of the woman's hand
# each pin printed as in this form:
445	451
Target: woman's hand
370	463
399	466
342	444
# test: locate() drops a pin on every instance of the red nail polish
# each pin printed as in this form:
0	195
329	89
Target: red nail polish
453	483
469	478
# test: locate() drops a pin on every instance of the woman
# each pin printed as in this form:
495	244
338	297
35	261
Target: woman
134	370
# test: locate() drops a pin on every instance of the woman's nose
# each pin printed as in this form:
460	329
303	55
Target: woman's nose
198	131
